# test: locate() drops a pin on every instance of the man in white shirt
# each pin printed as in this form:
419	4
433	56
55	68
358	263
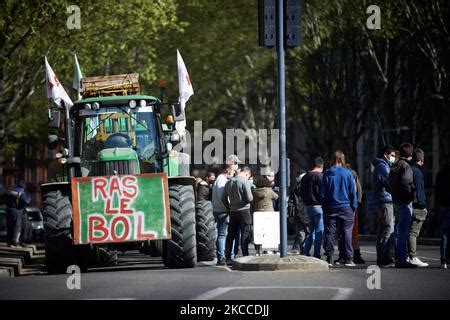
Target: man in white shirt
220	211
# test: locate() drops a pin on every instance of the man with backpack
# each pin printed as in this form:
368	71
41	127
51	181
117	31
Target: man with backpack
401	181
297	215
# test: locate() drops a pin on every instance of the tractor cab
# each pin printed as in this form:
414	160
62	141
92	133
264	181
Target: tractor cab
118	133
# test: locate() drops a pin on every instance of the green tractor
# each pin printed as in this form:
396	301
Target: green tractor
121	184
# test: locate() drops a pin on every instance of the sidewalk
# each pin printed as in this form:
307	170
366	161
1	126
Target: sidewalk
273	262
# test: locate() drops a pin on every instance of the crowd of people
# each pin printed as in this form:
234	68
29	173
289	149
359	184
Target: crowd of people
324	207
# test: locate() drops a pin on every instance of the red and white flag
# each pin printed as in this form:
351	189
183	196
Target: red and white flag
185	87
55	90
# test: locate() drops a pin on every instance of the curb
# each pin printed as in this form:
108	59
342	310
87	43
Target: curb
275	263
421	241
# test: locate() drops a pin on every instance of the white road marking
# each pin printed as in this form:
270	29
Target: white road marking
226	268
342	293
421	257
110	299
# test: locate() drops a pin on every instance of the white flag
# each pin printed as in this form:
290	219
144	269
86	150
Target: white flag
55	90
185	87
77	76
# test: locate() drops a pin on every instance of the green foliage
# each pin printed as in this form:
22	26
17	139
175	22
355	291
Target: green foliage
343	82
115	37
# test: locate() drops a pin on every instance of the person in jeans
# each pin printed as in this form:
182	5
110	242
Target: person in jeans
419	208
357	258
237	196
220	211
339	202
401	181
442	205
310	193
384	208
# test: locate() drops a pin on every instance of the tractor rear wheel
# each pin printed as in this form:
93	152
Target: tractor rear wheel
59	249
180	251
206	231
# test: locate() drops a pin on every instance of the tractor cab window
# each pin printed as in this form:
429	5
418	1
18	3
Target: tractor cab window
119	128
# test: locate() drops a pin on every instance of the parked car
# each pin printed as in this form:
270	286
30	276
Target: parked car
36	224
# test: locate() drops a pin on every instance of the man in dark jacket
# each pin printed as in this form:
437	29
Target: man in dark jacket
384	209
401	181
339	202
16	201
419	208
442	205
310	193
297	214
237	196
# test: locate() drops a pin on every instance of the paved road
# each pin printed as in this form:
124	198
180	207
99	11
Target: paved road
142	277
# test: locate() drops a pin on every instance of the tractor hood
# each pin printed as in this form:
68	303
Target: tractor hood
115	154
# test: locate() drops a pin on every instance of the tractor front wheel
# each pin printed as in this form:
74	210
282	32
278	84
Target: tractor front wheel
180	251
59	249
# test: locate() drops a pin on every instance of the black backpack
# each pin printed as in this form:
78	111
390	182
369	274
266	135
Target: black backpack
394	177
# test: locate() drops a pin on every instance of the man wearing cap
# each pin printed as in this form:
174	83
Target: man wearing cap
220	211
419	213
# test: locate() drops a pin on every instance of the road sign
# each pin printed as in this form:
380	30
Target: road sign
266	229
120	208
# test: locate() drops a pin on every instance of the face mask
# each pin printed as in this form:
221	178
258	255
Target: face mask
391	160
235	167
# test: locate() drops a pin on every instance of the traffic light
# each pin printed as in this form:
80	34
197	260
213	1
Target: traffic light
267	23
267	14
292	26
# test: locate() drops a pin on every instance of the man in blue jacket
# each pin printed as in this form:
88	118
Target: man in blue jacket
339	202
16	201
384	209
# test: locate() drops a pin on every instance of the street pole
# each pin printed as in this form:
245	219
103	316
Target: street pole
282	128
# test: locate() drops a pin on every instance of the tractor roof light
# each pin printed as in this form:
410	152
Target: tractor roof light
65	152
169	119
87	106
95	106
132	104
142	103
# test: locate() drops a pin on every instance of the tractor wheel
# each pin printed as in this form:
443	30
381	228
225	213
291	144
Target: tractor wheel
206	231
180	251
156	248
59	249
